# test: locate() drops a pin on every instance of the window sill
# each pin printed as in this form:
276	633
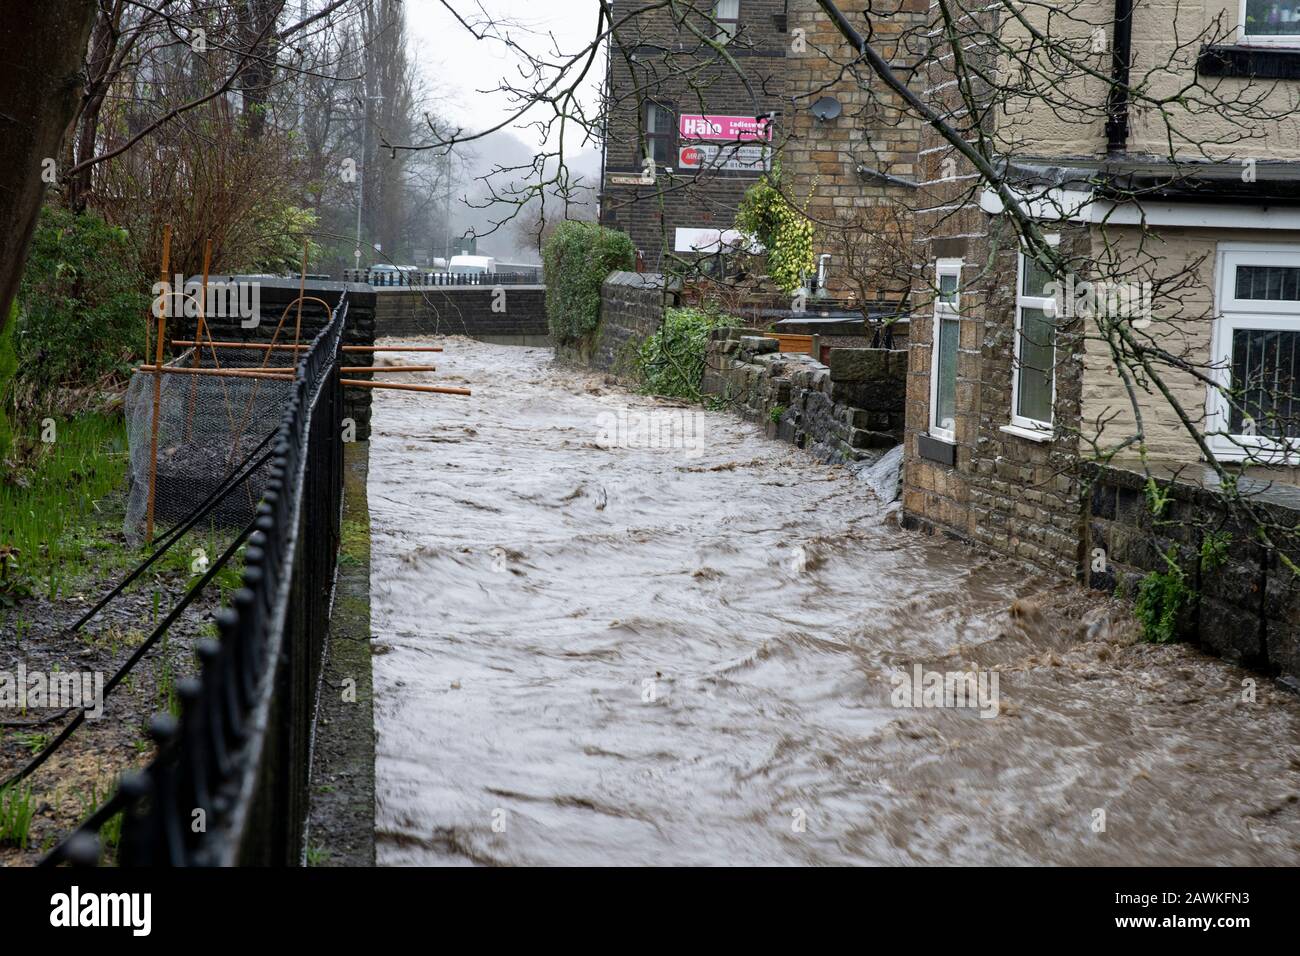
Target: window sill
934	449
1033	434
1263	62
1262	455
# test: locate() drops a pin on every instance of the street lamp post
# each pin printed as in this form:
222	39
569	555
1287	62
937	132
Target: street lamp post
361	170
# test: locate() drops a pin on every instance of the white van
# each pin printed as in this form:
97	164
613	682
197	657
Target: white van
472	265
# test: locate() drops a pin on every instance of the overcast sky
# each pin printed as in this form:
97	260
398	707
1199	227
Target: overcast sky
458	65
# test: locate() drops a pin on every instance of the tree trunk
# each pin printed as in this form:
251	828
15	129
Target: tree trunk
259	74
42	50
85	136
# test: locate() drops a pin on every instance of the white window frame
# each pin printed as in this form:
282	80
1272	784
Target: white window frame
1255	39
1232	314
1030	428
943	310
728	28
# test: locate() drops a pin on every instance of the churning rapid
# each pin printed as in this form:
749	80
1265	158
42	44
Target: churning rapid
600	642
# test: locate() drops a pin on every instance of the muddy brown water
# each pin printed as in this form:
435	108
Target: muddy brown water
683	655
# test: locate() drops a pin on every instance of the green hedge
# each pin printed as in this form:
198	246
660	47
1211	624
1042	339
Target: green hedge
578	256
82	305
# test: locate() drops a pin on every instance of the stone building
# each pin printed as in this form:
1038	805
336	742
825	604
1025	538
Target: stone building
1033	426
687	132
850	154
845	148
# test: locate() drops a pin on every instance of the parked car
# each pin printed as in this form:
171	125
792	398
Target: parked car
386	274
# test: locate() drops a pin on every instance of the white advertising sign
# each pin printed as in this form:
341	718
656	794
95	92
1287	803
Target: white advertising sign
756	159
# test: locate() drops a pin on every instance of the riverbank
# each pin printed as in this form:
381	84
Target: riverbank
62	518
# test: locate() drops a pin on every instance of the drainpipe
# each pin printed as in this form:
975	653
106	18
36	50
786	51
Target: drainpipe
1117	100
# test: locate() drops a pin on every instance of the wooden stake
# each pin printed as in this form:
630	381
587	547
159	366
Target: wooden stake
402	387
388	369
279	371
157	387
392	348
198	334
302	348
288	377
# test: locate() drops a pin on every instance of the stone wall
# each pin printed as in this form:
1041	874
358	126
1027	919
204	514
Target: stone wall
1004	488
1246	608
520	319
631	310
841	412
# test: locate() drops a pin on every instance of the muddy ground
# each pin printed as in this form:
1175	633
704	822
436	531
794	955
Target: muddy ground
82	773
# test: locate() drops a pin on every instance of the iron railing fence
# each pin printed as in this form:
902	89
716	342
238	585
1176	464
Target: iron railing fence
229	784
384	277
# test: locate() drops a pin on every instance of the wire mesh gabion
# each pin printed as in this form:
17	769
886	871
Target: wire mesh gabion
207	425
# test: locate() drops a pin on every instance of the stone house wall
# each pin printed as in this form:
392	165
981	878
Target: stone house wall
1183	324
830	162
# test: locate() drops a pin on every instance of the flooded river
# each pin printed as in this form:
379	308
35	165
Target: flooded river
661	651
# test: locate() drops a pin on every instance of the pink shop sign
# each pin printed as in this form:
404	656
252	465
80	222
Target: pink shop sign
724	128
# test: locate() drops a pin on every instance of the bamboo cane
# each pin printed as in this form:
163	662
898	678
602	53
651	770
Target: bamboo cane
302	348
157	388
198	334
302	294
282	370
282	377
403	387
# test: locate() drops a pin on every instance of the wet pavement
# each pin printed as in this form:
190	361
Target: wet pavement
613	630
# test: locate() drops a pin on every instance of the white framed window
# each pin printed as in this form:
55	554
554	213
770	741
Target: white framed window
726	14
660	130
1254	412
1033	378
1270	23
944	343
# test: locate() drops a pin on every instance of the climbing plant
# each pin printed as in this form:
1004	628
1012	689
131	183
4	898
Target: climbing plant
784	231
1164	595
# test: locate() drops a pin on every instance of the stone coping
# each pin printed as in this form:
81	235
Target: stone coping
1198	483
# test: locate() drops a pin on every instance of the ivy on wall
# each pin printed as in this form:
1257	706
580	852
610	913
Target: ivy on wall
784	231
578	256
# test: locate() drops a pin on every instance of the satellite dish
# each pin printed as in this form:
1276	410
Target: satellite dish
827	108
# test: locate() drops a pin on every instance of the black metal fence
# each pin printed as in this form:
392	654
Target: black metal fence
392	277
229	785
